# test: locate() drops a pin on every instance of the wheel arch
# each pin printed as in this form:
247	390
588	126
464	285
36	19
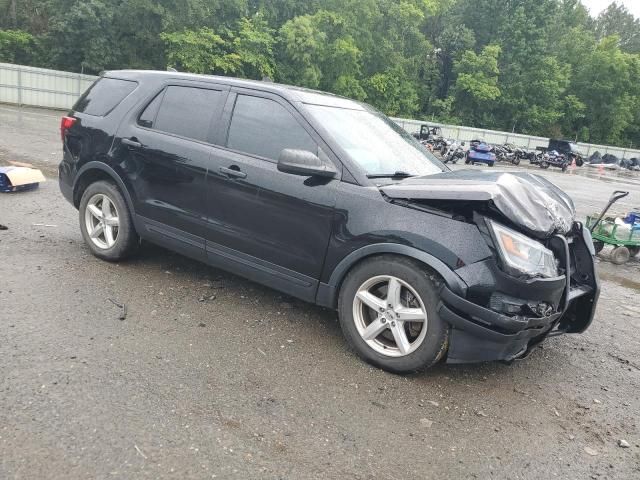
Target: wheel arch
95	171
327	295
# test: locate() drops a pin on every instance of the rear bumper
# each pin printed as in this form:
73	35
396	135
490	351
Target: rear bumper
481	157
66	175
480	334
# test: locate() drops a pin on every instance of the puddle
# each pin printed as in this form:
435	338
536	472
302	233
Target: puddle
625	282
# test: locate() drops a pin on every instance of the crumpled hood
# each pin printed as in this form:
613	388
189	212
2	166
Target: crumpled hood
528	200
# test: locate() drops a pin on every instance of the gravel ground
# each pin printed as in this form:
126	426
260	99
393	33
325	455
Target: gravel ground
212	376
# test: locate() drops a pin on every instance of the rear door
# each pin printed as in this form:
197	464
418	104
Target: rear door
271	226
167	149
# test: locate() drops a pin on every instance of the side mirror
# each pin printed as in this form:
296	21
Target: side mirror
304	163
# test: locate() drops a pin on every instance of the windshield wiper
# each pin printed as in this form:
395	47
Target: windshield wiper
398	174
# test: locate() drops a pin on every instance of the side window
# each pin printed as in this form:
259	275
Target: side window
185	111
148	117
260	126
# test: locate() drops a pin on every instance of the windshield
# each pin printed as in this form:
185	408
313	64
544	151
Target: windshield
377	144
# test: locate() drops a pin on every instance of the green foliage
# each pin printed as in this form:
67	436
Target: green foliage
533	66
17	46
248	53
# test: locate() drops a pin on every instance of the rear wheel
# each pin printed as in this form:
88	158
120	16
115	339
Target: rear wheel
620	255
388	315
633	251
516	160
105	222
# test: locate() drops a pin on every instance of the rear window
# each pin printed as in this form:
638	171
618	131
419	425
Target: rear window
104	95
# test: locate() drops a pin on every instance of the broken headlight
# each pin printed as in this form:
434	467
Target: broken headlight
523	255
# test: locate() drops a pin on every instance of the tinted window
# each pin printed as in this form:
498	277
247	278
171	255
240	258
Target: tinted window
148	117
187	111
263	127
103	96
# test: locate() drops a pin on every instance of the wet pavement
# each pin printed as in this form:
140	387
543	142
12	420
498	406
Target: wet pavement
212	376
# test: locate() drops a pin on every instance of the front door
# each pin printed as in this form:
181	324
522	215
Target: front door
273	226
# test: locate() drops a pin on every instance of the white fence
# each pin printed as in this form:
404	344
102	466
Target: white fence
41	87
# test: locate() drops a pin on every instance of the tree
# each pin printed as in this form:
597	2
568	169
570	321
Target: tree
17	46
248	53
81	36
607	84
617	20
476	85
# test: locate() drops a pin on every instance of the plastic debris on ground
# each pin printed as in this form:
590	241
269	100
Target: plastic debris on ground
19	179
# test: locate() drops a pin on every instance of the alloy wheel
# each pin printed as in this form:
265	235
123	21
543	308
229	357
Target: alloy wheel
102	221
390	316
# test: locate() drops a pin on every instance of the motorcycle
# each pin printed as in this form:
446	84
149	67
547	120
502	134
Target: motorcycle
453	153
507	153
550	159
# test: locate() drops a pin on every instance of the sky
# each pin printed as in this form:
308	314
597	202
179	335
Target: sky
597	6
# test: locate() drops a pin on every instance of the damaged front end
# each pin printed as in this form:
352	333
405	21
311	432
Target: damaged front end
541	278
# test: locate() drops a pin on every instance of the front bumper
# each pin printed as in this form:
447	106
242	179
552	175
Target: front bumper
480	333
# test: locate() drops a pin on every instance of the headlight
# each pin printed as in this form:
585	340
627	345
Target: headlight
523	254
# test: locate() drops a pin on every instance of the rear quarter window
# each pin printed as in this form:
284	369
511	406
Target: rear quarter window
104	95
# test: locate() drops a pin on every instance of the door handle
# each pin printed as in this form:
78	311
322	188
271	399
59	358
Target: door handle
131	142
233	172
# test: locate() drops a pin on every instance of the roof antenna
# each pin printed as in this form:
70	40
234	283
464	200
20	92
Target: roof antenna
171	69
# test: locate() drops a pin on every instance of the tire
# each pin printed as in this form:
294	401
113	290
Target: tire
516	161
633	251
598	246
467	160
544	165
102	218
579	162
564	167
427	342
491	164
620	255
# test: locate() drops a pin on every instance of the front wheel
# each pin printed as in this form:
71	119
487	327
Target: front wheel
516	161
387	309
105	222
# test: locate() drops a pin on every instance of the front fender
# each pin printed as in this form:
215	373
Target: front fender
328	292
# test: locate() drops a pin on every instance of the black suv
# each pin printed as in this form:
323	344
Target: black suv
326	199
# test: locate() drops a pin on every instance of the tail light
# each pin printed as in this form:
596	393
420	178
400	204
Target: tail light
65	124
